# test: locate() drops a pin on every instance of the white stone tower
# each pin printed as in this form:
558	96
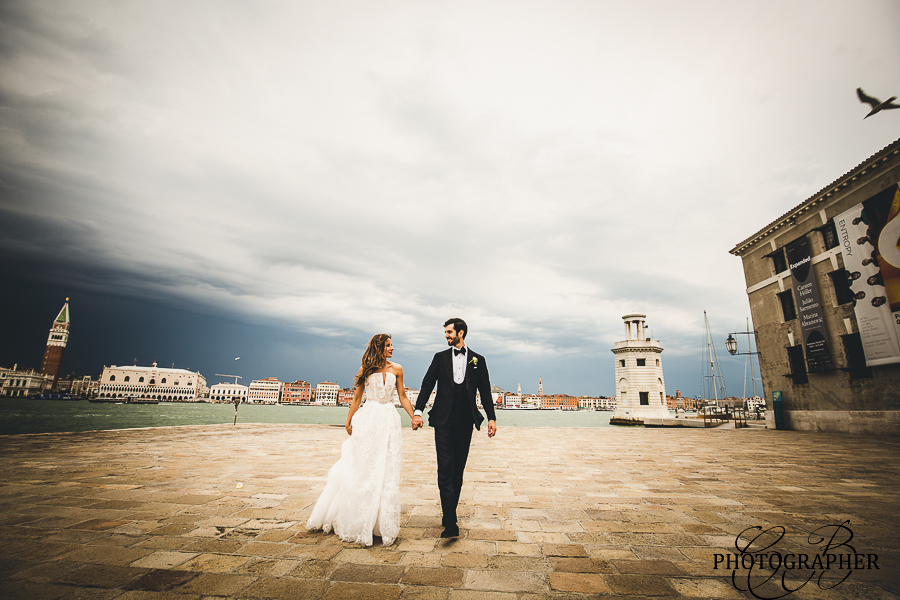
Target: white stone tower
640	391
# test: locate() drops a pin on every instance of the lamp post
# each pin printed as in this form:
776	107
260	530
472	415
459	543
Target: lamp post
731	345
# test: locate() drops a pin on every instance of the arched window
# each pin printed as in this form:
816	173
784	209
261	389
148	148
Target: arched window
141	380
176	383
112	377
163	380
127	378
152	382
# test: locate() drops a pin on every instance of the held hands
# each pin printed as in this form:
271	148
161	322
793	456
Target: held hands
492	428
417	422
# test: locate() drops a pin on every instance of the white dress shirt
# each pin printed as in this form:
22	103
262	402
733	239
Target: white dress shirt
459	365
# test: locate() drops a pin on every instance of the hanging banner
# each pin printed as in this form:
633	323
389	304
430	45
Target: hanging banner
869	234
809	306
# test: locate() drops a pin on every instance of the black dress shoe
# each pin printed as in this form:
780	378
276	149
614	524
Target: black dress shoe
450	532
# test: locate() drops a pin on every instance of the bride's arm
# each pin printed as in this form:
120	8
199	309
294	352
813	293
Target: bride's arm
354	406
401	391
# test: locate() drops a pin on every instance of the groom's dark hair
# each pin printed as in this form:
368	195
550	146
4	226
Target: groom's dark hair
459	326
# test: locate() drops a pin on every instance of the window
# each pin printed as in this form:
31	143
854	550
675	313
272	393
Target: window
829	235
163	380
840	279
645	398
127	378
642	362
112	377
141	380
622	362
856	357
797	363
779	262
657	362
787	305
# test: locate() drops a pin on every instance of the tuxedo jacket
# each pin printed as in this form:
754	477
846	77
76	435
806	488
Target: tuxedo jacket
440	372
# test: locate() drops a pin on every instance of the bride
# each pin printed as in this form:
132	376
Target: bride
362	495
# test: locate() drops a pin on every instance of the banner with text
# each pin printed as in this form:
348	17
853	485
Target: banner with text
809	307
869	234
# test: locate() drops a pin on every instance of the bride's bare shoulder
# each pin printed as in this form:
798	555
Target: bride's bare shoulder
395	367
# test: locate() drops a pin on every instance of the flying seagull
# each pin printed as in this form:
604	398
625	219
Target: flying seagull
238	358
877	105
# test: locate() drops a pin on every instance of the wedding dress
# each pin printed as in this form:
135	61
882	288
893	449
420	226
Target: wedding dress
362	495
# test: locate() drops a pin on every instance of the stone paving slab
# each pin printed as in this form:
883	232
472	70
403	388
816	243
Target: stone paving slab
561	513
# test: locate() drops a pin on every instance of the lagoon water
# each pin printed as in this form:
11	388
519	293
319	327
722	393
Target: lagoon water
18	415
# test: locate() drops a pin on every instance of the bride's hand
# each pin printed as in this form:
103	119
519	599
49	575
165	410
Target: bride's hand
349	428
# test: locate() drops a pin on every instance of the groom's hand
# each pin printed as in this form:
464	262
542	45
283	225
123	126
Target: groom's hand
417	422
492	428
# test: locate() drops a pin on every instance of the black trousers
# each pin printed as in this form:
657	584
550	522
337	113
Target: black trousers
451	442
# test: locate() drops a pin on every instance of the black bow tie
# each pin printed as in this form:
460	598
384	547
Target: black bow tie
457	351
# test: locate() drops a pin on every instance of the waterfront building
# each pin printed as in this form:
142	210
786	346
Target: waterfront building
327	393
413	396
84	386
823	283
56	344
640	391
157	383
228	392
345	396
497	394
296	392
559	401
16	383
592	403
512	401
264	391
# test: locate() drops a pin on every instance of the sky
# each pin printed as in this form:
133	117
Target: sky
279	181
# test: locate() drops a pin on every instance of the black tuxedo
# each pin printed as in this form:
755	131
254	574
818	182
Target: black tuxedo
452	416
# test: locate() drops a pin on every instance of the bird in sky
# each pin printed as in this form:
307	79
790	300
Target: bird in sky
876	104
237	358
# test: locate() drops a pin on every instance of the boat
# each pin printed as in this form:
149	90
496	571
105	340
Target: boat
56	396
126	400
712	381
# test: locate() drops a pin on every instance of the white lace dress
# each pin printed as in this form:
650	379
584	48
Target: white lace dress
362	496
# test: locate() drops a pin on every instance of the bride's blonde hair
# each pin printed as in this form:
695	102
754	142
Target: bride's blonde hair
373	358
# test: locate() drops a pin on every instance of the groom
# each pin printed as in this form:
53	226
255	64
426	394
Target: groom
459	373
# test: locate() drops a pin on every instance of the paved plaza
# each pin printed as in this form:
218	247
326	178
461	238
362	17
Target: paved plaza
568	513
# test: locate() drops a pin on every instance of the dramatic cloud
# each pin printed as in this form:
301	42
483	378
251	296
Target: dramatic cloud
343	168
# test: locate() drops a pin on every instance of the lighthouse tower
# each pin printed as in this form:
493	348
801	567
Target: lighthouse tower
640	391
56	344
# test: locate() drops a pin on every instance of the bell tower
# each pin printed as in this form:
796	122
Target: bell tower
56	344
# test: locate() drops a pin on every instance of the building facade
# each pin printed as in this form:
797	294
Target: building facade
327	393
228	392
16	383
264	391
559	401
56	344
296	392
640	389
823	281
157	383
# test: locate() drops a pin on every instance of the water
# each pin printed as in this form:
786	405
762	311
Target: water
19	415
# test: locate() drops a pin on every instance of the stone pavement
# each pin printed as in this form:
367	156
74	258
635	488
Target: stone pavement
568	513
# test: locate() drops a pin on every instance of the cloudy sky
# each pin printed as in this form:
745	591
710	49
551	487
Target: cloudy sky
281	180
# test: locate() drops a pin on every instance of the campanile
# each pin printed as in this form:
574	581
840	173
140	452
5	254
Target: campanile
56	344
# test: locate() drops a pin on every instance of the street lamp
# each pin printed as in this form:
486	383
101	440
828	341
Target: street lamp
731	344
